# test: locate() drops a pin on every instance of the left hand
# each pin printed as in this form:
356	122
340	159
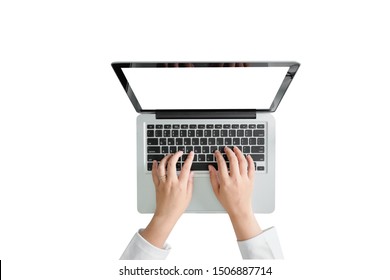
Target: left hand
173	193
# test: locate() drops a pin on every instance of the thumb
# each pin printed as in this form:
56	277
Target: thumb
214	179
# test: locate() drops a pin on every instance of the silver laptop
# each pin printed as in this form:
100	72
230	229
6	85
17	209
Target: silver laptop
203	107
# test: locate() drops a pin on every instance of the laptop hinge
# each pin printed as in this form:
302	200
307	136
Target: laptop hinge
206	114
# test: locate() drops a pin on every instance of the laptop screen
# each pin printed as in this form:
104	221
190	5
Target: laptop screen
193	86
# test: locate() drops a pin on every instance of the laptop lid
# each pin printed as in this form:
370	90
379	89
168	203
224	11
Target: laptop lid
233	89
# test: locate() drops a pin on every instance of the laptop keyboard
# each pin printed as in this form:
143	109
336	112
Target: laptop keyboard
204	139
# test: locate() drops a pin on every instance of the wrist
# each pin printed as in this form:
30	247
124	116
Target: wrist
245	225
158	230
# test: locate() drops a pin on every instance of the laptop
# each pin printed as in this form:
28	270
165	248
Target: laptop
203	107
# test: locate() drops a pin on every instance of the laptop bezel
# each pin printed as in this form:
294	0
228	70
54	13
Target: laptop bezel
293	68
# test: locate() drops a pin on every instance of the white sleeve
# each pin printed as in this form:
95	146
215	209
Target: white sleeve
141	249
263	246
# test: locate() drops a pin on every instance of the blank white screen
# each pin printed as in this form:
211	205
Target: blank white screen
205	87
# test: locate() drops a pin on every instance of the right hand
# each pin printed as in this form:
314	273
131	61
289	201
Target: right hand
234	190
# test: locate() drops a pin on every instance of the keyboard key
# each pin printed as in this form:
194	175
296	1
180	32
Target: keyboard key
260	141
150	166
199	133
152	141
205	149
239	147
215	133
158	133
195	141
213	149
235	126
258	133
167	126
153	150
210	126
220	141
257	149
218	126
257	157
248	133
236	141
150	133
244	141
226	126
260	168
184	126
228	141
260	126
243	125
171	141
150	126
207	133
252	141
211	141
172	149
224	133
210	157
189	149
178	166
155	157
191	133
203	141
192	125
176	126
163	141
164	150
201	157
179	141
232	133
175	133
167	133
246	149
159	126
202	126
252	126
187	141
180	148
195	158
197	150
240	133
199	166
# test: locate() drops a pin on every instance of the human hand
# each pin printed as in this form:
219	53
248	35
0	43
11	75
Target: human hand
234	191
173	195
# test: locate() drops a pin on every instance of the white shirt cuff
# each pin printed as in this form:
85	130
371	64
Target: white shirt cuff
263	246
140	249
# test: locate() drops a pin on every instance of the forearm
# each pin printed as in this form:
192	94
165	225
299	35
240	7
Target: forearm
245	225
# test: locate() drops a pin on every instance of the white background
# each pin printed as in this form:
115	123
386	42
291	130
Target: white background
67	151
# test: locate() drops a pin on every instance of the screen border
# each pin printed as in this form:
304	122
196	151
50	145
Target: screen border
293	68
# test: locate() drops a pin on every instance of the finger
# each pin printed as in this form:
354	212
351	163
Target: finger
185	170
222	168
163	165
234	169
171	169
251	167
242	162
214	180
154	173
